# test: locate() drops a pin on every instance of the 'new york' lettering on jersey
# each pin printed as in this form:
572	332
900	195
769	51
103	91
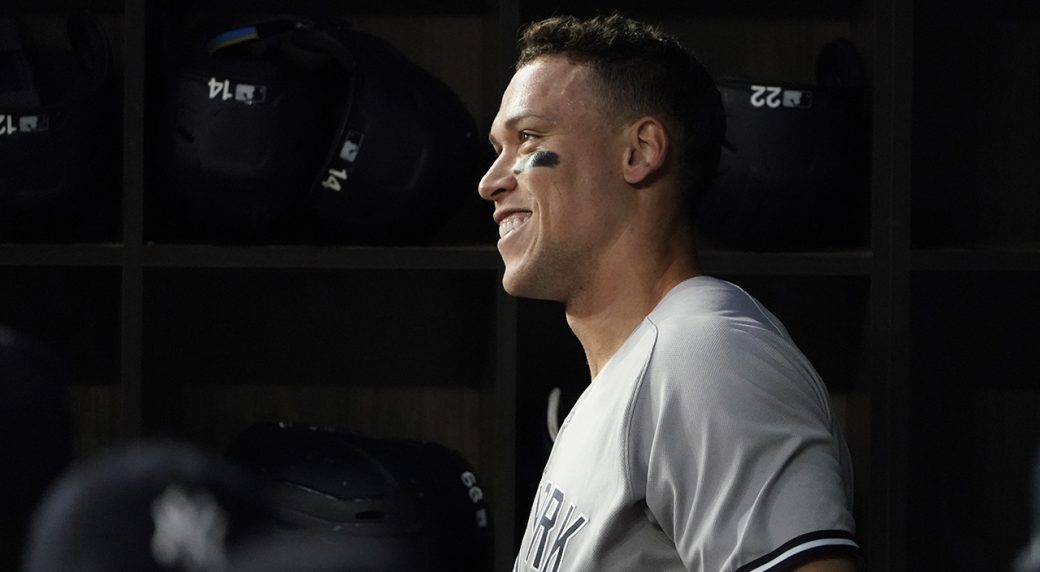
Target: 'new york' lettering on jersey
546	526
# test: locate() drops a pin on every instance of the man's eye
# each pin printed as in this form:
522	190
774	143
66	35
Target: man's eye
526	136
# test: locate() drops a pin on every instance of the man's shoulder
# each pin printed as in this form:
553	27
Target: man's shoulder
714	334
704	309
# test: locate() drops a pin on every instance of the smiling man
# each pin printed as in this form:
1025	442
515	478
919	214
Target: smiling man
705	440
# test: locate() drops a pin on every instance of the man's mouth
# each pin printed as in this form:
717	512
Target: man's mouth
512	222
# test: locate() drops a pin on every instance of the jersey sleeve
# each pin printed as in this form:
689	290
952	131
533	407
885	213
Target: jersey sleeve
731	435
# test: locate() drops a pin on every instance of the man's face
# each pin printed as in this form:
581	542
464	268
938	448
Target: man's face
555	183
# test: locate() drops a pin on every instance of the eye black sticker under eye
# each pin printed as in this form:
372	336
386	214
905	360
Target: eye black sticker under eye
537	159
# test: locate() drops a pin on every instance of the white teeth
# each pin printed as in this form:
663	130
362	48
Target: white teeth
511	223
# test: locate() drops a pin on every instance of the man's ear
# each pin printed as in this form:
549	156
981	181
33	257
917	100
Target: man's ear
646	149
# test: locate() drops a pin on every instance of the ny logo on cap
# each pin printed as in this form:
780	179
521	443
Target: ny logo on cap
189	531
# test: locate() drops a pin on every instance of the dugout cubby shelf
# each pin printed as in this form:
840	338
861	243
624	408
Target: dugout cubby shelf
924	332
974	130
972	273
303	344
973	338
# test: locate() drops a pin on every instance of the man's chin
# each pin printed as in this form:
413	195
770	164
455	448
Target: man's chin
515	282
513	285
524	285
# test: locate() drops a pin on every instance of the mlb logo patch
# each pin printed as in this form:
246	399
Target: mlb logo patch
30	123
250	94
351	147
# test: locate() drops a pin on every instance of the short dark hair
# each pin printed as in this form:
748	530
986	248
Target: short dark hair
643	71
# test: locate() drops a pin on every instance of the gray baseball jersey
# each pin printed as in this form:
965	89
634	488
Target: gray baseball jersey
705	443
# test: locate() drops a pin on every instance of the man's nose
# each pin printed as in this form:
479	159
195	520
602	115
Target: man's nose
498	180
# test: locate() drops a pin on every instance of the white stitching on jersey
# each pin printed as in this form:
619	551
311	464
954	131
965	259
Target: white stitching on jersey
627	445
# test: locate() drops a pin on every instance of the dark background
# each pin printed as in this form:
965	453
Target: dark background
926	331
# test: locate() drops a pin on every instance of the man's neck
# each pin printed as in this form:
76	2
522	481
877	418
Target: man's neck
626	291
